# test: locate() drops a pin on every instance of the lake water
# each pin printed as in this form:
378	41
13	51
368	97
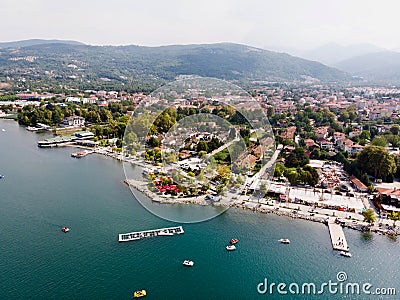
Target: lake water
45	189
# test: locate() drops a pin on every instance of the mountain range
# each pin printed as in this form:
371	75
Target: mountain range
71	62
368	62
383	66
332	53
74	62
33	42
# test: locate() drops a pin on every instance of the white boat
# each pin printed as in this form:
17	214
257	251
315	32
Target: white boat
80	154
188	263
344	253
284	241
3	130
231	247
65	229
1	176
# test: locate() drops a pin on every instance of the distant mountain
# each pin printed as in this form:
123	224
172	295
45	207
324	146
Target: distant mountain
380	66
33	42
78	65
332	53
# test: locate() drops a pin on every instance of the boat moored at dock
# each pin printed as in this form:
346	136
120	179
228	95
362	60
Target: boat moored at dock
133	236
80	137
30	128
56	141
344	253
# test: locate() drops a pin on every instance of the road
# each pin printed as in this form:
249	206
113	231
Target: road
223	147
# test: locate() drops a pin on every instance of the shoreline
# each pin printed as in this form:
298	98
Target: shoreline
286	209
263	207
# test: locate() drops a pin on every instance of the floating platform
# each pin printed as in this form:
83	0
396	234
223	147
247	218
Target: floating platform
133	236
337	236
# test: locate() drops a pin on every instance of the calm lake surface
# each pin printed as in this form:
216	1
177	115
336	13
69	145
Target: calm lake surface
45	189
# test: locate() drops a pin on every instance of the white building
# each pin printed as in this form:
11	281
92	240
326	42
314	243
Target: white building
74	121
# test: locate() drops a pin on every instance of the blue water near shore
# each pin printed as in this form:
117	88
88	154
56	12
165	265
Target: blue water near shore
44	189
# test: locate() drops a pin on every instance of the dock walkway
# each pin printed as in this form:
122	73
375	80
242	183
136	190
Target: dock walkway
133	236
337	236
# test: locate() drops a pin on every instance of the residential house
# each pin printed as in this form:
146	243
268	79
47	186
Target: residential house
74	121
322	132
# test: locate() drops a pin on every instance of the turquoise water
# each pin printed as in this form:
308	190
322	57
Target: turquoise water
45	189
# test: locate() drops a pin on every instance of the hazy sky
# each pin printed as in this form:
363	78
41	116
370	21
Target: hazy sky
287	23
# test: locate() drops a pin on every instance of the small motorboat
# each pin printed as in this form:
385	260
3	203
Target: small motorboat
188	263
284	241
79	154
139	293
1	176
3	130
234	241
344	253
230	247
65	229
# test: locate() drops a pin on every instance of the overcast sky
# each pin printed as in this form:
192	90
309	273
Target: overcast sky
299	24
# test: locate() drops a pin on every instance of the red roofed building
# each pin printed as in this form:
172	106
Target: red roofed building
359	186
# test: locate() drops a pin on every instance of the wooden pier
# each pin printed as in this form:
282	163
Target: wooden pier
133	236
337	236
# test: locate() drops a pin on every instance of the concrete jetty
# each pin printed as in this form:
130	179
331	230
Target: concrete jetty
133	236
337	236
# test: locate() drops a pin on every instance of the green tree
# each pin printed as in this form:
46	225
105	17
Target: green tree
379	141
297	158
154	142
224	173
279	169
292	175
394	216
165	120
171	158
263	188
393	140
365	135
376	161
395	129
310	175
369	216
202	146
